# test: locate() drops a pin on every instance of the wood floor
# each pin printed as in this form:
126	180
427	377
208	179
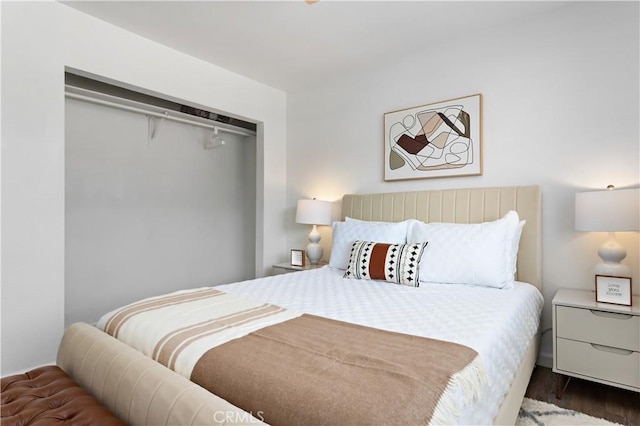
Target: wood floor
607	402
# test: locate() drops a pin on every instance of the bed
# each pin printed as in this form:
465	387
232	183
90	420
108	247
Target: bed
493	329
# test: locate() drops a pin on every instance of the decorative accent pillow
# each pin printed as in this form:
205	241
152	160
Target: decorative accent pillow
479	254
345	233
395	263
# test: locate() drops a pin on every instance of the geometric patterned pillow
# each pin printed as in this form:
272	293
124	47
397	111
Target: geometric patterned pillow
395	263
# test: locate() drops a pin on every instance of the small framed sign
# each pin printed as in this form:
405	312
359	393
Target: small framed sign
297	257
616	290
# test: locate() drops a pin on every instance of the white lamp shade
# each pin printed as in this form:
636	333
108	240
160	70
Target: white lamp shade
608	211
313	212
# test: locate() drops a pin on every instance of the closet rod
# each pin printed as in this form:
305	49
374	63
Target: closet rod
164	115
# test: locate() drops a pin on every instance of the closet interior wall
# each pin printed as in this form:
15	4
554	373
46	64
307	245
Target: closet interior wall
146	216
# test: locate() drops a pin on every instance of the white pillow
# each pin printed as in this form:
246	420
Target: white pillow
479	254
515	245
345	233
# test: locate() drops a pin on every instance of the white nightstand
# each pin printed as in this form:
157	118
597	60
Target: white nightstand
285	268
595	341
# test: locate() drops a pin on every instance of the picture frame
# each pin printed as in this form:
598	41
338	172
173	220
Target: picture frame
298	257
614	290
442	139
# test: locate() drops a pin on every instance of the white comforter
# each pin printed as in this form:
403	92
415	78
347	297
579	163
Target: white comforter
498	324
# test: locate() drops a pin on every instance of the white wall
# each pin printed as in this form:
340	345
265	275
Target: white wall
560	111
147	217
38	40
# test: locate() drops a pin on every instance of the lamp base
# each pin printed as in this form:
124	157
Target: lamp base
611	252
314	253
314	250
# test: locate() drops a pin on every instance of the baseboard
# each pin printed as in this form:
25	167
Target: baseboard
545	356
545	359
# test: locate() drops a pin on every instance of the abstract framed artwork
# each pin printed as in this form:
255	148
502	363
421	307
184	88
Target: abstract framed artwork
442	139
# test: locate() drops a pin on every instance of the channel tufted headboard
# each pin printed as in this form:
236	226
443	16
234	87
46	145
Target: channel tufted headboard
465	205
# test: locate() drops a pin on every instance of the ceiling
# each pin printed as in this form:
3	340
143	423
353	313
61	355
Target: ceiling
291	45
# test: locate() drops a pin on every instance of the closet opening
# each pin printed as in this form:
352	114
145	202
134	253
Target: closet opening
159	196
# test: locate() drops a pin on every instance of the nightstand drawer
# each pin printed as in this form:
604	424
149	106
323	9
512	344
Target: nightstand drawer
599	362
604	328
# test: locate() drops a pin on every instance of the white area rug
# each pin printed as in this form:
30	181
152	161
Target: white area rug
537	413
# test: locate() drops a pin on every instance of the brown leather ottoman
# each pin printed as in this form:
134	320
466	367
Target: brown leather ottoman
47	395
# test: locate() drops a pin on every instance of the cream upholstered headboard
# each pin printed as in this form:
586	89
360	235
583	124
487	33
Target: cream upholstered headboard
466	205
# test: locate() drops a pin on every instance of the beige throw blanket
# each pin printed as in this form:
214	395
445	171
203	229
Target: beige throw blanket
312	370
290	369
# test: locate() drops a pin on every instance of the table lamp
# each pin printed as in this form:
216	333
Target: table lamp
314	212
613	210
